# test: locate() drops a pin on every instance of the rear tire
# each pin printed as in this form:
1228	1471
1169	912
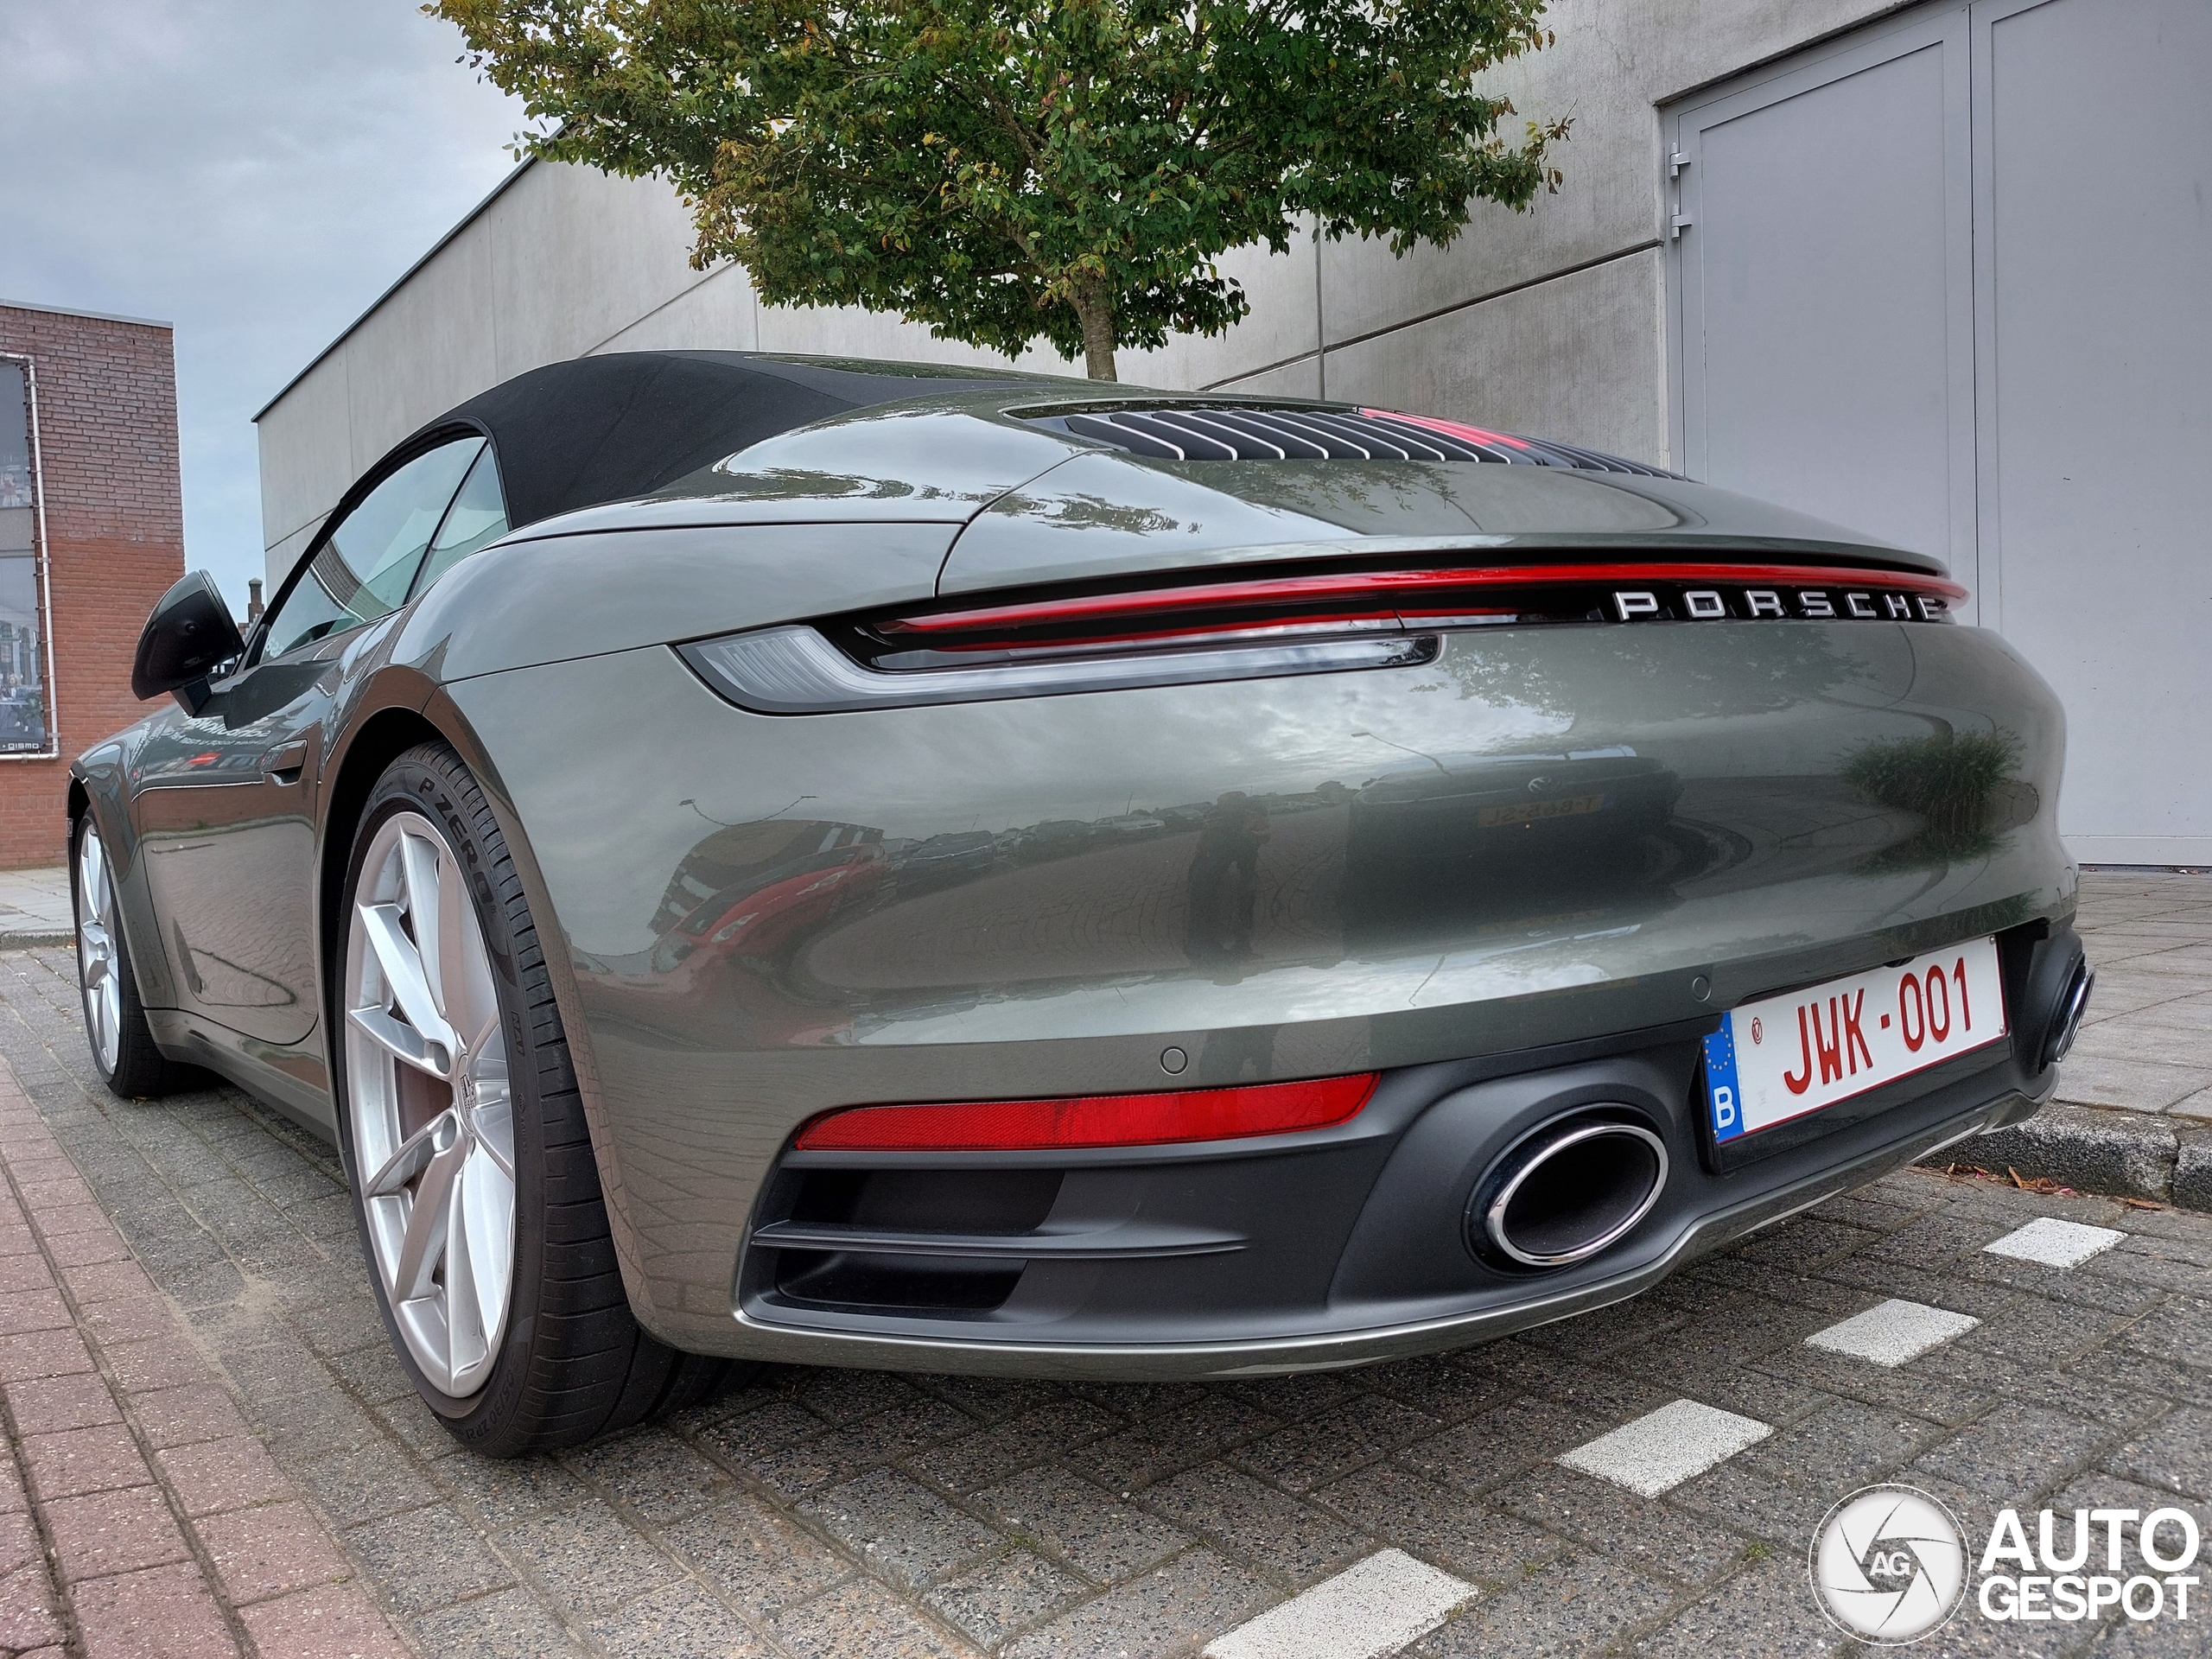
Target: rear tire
567	1362
115	1019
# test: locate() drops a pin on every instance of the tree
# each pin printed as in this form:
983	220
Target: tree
1000	169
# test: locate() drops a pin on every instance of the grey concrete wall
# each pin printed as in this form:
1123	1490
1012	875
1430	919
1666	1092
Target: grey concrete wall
1614	63
1576	356
1549	321
561	262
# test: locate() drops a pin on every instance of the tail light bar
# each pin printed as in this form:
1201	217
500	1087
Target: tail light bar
1311	622
1148	1120
1400	592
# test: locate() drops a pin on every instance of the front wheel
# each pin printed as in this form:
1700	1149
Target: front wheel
115	1019
475	1188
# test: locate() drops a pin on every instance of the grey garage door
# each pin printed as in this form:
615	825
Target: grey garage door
1948	280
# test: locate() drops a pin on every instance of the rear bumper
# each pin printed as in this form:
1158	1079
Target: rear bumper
1232	1356
1298	1252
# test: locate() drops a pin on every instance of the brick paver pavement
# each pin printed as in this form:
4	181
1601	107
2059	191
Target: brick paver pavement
826	1513
138	1513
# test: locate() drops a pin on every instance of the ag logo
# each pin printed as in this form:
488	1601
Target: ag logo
1888	1565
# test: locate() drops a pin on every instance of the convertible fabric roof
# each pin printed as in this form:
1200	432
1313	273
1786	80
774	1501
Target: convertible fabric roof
604	428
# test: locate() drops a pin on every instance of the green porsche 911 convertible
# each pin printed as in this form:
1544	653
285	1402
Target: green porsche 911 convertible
769	859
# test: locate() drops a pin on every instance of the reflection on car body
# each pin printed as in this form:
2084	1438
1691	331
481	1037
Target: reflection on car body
948	856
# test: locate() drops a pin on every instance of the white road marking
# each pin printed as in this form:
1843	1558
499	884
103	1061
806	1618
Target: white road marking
1893	1333
1664	1448
2054	1243
1373	1608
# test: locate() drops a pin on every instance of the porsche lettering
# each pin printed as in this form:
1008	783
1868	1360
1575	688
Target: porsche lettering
1870	604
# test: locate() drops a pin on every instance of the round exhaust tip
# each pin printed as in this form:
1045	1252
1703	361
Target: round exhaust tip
1571	1189
2066	1018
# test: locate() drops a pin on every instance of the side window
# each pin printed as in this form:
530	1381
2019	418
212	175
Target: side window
477	519
362	568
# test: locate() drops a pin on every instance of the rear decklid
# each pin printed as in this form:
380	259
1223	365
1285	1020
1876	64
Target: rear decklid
1124	507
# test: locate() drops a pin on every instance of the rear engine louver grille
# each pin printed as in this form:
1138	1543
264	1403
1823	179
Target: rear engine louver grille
1243	432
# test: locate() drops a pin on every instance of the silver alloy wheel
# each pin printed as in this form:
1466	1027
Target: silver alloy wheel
428	1102
96	935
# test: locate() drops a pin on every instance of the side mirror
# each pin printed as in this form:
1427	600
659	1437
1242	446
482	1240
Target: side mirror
189	634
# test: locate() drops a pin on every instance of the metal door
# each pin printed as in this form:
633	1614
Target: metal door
2093	172
1943	281
225	829
1825	288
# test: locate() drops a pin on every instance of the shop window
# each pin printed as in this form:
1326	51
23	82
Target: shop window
26	720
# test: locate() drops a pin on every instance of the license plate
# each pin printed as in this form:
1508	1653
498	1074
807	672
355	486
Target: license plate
1539	811
1783	1058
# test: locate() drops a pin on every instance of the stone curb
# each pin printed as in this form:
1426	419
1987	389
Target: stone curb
2124	1154
26	940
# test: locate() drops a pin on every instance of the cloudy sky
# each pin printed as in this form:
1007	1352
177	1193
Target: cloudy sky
255	172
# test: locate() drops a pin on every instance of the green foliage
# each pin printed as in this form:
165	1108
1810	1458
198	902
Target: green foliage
1948	779
1003	169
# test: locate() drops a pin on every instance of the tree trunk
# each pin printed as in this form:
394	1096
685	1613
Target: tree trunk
1094	309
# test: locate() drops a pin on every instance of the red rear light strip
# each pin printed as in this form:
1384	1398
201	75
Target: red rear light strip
1368	585
1259	630
1093	1120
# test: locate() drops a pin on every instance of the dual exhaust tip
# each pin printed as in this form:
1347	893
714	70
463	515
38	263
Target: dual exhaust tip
1567	1190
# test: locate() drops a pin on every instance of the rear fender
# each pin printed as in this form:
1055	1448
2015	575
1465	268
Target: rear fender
527	601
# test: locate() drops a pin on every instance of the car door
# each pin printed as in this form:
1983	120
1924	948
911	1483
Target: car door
225	797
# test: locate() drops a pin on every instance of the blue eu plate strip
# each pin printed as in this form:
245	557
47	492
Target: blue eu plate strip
1722	1092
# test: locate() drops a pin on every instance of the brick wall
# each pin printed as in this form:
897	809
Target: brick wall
115	539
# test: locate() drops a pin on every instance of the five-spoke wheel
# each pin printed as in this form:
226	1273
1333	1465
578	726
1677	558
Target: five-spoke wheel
465	1136
115	1019
96	935
426	1089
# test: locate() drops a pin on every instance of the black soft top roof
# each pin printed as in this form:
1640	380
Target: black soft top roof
604	428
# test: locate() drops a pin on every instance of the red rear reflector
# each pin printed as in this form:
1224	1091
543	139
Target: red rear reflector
1093	1120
